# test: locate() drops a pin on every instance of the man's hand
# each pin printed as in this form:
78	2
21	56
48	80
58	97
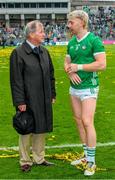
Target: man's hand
75	79
53	101
22	107
67	67
72	68
67	63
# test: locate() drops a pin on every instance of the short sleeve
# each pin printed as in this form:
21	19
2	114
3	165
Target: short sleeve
98	46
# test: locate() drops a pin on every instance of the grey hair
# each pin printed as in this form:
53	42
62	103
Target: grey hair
31	27
79	14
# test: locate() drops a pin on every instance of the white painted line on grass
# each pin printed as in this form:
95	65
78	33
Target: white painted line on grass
61	146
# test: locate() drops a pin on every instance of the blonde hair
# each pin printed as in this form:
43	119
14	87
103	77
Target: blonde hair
79	14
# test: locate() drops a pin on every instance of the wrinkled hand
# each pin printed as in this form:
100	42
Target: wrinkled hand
75	79
22	107
53	101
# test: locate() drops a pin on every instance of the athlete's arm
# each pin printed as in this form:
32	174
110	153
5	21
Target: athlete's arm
97	65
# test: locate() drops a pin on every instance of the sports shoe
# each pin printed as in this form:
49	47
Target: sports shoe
79	161
90	169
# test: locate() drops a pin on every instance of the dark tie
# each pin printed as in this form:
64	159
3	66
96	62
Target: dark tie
36	50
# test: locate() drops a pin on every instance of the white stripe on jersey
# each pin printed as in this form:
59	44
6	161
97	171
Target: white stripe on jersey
98	53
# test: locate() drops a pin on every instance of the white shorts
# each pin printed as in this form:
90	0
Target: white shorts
84	93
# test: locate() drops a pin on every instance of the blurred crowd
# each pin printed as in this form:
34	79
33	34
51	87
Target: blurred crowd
11	36
102	23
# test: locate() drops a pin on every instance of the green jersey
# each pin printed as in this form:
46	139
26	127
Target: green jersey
83	51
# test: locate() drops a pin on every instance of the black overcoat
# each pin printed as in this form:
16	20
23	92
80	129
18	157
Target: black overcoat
33	83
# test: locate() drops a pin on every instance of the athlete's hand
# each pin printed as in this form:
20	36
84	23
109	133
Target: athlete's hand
72	68
67	63
75	79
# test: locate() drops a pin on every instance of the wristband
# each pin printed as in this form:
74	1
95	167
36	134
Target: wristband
80	67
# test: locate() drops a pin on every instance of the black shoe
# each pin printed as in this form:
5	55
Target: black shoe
26	168
46	163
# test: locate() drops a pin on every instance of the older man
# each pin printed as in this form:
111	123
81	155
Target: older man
33	85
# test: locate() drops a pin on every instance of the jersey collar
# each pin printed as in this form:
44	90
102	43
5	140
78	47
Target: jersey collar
82	37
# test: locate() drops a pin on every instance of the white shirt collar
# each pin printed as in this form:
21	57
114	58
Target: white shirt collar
31	45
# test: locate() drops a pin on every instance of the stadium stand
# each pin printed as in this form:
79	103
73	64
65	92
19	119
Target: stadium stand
101	23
